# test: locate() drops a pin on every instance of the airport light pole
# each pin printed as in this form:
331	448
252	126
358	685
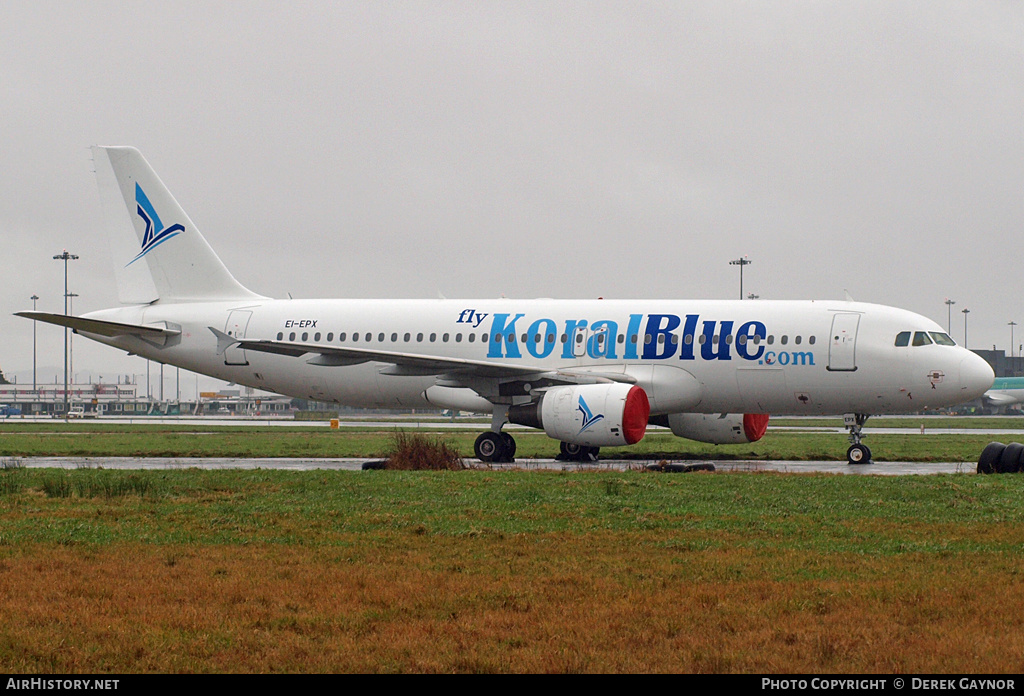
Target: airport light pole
34	298
741	262
65	257
949	314
1012	366
71	337
966	312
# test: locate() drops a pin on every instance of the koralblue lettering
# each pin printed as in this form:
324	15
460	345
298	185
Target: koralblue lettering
569	350
661	335
503	333
658	343
753	332
603	335
689	337
632	335
712	349
537	343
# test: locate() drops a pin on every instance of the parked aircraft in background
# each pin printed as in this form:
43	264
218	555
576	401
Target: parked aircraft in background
1005	392
590	373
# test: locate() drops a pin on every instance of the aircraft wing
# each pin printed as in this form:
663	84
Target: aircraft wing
102	328
409	364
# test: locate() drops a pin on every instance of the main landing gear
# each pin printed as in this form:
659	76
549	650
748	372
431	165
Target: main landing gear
858	452
571	452
498	447
495	447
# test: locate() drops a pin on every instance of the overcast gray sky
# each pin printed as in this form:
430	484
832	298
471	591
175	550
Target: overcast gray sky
549	149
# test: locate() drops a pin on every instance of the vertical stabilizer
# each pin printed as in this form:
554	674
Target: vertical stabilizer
166	258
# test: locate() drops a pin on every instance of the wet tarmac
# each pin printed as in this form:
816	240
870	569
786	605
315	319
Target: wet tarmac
415	423
352	464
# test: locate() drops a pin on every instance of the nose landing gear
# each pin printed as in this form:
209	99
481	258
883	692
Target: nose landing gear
858	453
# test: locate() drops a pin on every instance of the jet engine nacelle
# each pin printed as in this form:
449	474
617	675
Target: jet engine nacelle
593	415
718	429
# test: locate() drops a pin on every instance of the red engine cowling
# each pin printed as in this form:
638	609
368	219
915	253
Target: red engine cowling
593	415
718	429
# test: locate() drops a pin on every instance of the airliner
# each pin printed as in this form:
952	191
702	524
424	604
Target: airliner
1005	392
589	373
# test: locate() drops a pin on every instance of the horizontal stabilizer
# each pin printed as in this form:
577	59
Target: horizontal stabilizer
101	328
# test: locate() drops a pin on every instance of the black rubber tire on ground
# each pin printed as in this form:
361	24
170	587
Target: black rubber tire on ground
858	454
1009	460
510	447
989	457
489	447
569	451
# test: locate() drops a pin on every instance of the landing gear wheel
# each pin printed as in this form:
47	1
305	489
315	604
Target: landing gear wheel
858	454
494	447
510	447
488	447
570	451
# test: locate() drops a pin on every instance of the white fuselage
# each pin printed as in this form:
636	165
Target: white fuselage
702	356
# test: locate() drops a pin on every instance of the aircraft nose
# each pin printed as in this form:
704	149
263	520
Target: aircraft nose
976	376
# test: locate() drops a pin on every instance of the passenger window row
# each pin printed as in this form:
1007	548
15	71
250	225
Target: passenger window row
368	337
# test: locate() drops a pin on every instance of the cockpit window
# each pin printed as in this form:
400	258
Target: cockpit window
903	339
942	339
921	338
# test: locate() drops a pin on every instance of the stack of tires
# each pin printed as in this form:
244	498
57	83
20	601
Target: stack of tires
998	458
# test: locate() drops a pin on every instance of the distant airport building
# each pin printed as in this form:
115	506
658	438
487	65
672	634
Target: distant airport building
104	399
1002	364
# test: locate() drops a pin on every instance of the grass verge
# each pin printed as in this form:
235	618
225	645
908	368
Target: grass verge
472	571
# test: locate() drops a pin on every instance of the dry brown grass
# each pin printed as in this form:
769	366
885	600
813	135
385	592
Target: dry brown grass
547	603
416	452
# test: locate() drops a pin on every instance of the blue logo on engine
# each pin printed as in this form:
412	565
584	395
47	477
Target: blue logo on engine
588	418
155	234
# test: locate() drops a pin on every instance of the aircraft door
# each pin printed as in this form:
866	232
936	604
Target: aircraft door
235	327
597	344
842	349
579	342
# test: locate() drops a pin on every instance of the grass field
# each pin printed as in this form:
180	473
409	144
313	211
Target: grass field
191	570
472	571
95	439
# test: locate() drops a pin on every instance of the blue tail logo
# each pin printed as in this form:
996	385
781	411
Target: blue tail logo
155	234
588	418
